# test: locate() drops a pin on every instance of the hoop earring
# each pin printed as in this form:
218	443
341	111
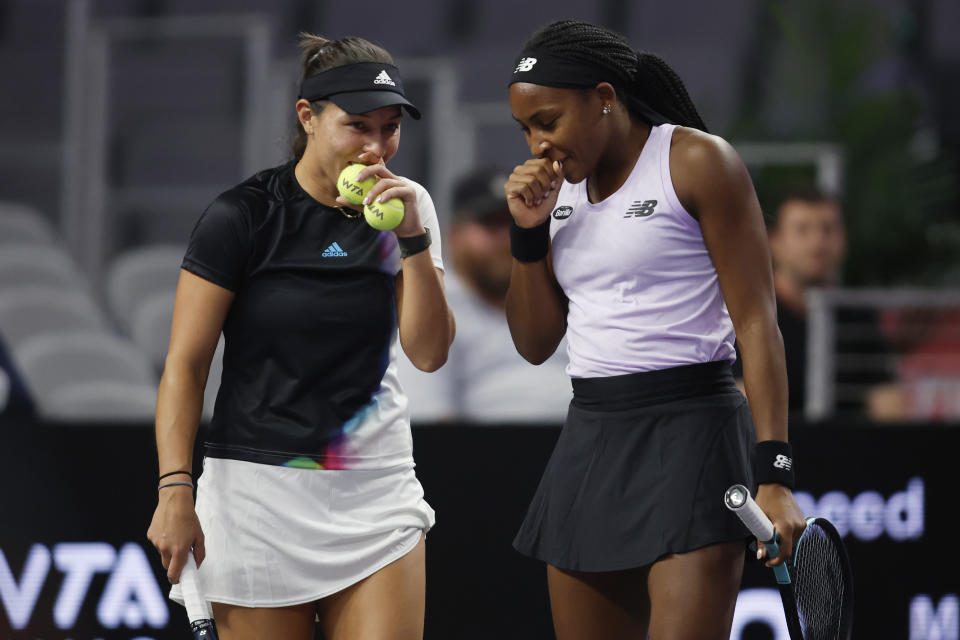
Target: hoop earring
606	110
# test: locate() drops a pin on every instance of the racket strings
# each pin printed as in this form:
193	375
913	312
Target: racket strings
820	586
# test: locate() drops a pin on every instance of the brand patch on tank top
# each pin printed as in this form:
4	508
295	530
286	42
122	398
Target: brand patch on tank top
561	213
641	209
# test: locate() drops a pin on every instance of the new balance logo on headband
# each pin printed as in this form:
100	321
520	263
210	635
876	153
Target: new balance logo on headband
526	64
383	78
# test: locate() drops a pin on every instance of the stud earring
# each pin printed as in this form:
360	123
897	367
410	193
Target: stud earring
606	109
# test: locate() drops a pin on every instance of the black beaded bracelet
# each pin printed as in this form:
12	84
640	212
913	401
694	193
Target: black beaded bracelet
173	473
414	244
773	463
530	245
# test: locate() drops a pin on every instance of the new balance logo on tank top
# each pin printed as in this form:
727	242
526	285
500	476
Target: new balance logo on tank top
309	369
643	291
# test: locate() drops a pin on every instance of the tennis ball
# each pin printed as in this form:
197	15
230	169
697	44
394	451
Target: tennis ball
384	215
351	190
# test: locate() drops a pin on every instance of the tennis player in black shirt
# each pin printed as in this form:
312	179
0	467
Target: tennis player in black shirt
308	506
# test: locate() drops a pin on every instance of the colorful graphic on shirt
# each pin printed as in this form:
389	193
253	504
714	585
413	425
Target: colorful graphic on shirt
340	448
343	446
303	463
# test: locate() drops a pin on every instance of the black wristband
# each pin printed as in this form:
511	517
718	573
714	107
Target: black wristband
773	462
530	245
173	473
414	244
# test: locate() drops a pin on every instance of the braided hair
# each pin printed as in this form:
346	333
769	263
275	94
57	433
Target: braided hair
638	75
320	54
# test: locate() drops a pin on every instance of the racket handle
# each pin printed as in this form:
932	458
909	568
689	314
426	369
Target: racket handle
738	499
204	630
193	600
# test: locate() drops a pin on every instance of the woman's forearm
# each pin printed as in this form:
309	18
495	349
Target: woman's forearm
426	322
179	408
765	378
536	311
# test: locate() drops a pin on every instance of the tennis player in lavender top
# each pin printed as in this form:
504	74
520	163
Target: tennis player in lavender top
638	236
308	506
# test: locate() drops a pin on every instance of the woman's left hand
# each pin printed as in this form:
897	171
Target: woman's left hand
778	503
390	186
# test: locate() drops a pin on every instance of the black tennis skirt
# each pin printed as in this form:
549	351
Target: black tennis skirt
640	469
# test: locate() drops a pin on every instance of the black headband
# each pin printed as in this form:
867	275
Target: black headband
551	70
359	87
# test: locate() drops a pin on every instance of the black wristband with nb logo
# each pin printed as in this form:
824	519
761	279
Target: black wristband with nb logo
773	462
530	245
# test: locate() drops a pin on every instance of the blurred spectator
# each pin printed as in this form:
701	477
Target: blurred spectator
484	379
808	244
930	367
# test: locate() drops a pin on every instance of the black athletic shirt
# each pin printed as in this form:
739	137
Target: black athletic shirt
311	331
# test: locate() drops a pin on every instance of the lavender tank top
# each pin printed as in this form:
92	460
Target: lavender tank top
643	291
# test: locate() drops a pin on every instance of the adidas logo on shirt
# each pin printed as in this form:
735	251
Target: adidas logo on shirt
383	78
334	251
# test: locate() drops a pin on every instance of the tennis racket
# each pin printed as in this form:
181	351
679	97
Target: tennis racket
198	609
816	584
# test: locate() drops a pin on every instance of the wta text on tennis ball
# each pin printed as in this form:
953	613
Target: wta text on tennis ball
384	215
350	189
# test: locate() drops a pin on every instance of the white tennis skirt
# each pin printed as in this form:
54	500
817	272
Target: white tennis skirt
278	536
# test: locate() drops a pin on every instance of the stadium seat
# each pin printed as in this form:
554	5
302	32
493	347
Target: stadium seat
21	224
136	275
29	265
52	363
101	401
150	325
26	312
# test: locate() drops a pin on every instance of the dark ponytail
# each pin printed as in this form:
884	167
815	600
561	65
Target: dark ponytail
637	76
320	54
661	87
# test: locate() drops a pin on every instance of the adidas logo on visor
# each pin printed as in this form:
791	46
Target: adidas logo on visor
383	78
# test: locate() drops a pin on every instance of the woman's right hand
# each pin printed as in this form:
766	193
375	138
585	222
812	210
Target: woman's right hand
175	529
532	191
